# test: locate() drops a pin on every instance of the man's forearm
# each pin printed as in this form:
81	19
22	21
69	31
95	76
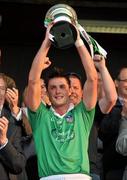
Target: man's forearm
87	62
38	62
108	85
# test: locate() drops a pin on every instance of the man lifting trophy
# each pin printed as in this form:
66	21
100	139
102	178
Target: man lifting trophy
62	145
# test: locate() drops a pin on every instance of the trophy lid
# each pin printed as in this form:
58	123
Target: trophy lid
62	10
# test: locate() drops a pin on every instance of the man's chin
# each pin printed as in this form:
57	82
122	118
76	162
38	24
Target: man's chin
73	100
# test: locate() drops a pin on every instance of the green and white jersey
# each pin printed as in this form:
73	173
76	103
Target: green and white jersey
61	143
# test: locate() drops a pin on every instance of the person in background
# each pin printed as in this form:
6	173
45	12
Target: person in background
76	87
27	141
107	96
113	162
12	159
121	142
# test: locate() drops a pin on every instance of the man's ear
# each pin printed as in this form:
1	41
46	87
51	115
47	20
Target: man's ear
70	91
116	83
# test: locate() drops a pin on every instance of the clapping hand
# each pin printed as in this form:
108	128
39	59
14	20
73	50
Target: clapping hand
3	130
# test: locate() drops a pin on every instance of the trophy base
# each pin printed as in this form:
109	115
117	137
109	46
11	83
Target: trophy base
64	35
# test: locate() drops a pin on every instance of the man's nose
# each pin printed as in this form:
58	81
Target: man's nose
57	90
72	89
1	92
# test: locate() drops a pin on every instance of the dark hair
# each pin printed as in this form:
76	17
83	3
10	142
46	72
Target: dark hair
57	72
10	83
119	71
3	76
75	75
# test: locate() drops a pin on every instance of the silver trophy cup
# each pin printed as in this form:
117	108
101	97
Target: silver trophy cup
63	33
64	19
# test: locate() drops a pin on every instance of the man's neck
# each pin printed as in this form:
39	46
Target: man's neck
61	111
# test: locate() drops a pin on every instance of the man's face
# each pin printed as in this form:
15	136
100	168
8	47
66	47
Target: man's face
122	83
2	91
59	91
76	90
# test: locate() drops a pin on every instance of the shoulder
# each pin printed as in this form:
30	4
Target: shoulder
81	107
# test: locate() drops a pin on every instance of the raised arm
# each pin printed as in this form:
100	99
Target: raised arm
40	62
90	86
108	95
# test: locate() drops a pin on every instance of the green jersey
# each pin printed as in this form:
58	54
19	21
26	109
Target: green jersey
61	143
